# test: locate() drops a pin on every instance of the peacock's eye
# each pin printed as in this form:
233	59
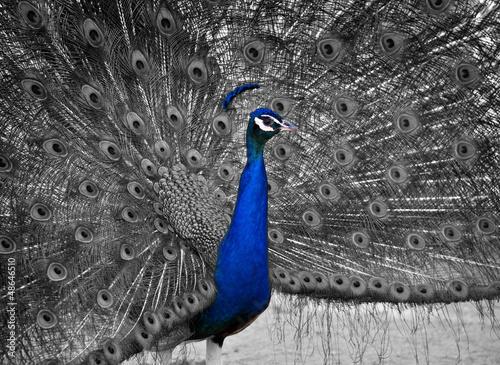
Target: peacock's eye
267	121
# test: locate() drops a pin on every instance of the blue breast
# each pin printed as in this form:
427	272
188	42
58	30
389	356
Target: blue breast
241	275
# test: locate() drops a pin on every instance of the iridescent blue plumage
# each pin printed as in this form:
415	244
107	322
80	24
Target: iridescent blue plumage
241	275
230	96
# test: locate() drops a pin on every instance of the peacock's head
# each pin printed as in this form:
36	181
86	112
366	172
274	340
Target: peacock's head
265	123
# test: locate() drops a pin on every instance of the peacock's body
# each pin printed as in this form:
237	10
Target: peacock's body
122	226
241	274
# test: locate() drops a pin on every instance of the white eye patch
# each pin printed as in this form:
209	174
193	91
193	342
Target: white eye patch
262	126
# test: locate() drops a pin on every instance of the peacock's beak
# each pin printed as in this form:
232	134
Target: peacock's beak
286	126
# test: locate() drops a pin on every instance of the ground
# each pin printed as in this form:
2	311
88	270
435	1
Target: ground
262	344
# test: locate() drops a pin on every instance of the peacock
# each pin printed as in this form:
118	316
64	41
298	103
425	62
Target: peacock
167	166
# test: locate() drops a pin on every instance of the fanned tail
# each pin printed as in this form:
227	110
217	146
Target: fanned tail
119	165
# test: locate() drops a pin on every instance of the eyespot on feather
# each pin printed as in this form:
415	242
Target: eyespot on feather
322	283
346	107
378	209
7	245
307	281
220	196
97	358
5	164
148	167
166	22
358	286
179	308
282	105
175	117
157	207
161	225
464	150
450	233
494	288
328	191
198	71
221	125
113	351
330	50
407	122
84	235
311	217
34	88
458	289
415	241
56	272
40	212
110	150
93	97
139	63
486	225
275	236
273	187
170	253
399	292
151	322
135	123
340	284
194	158
396	174
281	275
93	33
129	215
167	317
283	151
105	298
127	251
343	157
46	319
378	286
293	285
360	239
162	149
254	52
438	7
31	15
226	172
143	337
192	303
88	189
424	292
391	43
466	74
136	190
206	289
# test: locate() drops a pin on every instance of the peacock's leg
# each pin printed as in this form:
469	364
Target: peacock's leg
214	350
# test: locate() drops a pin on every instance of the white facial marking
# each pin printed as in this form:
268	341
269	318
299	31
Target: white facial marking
262	126
281	123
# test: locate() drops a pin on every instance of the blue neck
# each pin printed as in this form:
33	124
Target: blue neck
241	275
243	250
247	233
